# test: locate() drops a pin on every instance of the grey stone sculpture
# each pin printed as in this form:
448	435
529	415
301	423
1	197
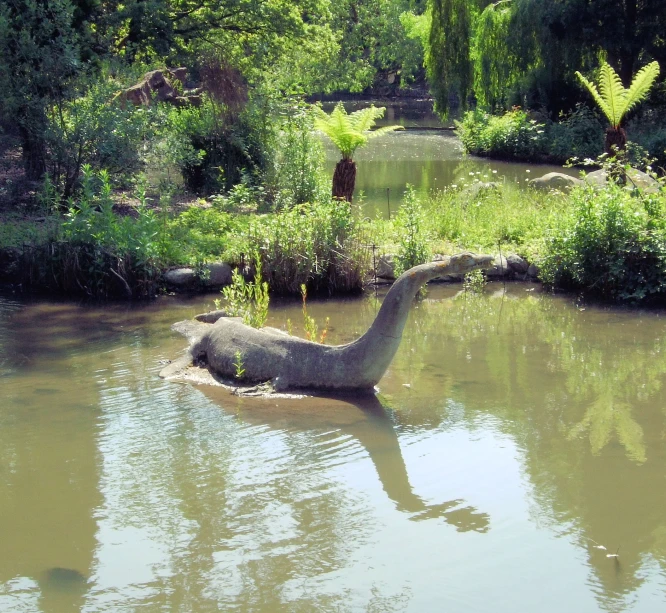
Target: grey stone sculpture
288	362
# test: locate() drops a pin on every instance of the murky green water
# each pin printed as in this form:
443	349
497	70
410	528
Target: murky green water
425	158
513	434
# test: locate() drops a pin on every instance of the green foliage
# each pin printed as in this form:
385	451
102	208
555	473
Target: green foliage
613	98
413	246
94	129
238	365
247	300
448	59
612	244
295	166
309	322
39	59
526	51
518	218
203	234
512	135
576	135
348	132
494	65
317	244
474	282
96	252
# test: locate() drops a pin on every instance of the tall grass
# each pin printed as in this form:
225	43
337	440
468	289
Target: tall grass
320	245
507	215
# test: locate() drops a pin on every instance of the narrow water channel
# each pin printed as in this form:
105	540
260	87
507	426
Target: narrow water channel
514	435
425	156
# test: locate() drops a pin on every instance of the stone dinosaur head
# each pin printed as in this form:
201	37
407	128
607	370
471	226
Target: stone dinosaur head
465	262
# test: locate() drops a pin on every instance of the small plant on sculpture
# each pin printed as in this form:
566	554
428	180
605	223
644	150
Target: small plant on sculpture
247	300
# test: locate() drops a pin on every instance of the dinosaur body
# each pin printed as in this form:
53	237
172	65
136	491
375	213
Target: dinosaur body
289	362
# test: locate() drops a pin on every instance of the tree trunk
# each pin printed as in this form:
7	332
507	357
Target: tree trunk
344	179
616	138
34	161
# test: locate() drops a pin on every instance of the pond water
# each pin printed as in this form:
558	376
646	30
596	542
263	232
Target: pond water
514	434
424	156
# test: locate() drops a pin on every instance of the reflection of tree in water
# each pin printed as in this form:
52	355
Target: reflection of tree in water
579	390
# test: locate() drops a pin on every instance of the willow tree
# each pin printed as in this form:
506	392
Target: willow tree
448	59
492	53
348	132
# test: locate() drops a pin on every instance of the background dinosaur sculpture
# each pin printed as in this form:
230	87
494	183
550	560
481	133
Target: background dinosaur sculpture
289	362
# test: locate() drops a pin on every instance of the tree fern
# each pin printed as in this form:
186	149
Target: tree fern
613	98
348	132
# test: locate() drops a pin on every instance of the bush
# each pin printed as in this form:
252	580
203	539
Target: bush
579	135
95	252
320	245
612	244
412	240
513	135
96	130
295	169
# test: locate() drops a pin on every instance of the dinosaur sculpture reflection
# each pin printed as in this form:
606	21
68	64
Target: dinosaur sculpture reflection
289	362
364	418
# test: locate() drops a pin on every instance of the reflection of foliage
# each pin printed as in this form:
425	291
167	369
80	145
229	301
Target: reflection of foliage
532	351
604	416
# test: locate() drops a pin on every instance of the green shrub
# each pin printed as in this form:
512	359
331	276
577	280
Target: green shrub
612	244
96	130
579	134
412	239
320	245
203	234
295	169
94	252
513	135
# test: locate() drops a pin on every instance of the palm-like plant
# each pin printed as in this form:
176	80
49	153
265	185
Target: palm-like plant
349	132
616	101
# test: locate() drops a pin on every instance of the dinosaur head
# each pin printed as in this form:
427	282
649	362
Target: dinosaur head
465	262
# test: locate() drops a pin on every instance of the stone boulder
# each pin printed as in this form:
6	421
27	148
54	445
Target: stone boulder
217	274
181	278
635	178
517	264
385	268
556	181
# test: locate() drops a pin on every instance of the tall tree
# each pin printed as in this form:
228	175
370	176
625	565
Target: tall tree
526	51
39	57
448	60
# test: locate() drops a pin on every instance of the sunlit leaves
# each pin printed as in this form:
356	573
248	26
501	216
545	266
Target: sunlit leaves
350	131
613	98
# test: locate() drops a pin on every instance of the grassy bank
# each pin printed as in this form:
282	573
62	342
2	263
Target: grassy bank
609	242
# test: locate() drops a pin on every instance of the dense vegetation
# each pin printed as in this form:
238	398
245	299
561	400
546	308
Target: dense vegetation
226	165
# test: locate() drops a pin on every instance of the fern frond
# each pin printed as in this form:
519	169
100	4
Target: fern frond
640	85
613	92
363	119
613	99
350	131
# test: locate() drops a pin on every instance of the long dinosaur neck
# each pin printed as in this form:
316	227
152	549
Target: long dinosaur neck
379	344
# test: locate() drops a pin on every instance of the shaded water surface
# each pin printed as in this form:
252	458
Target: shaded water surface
424	156
513	435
